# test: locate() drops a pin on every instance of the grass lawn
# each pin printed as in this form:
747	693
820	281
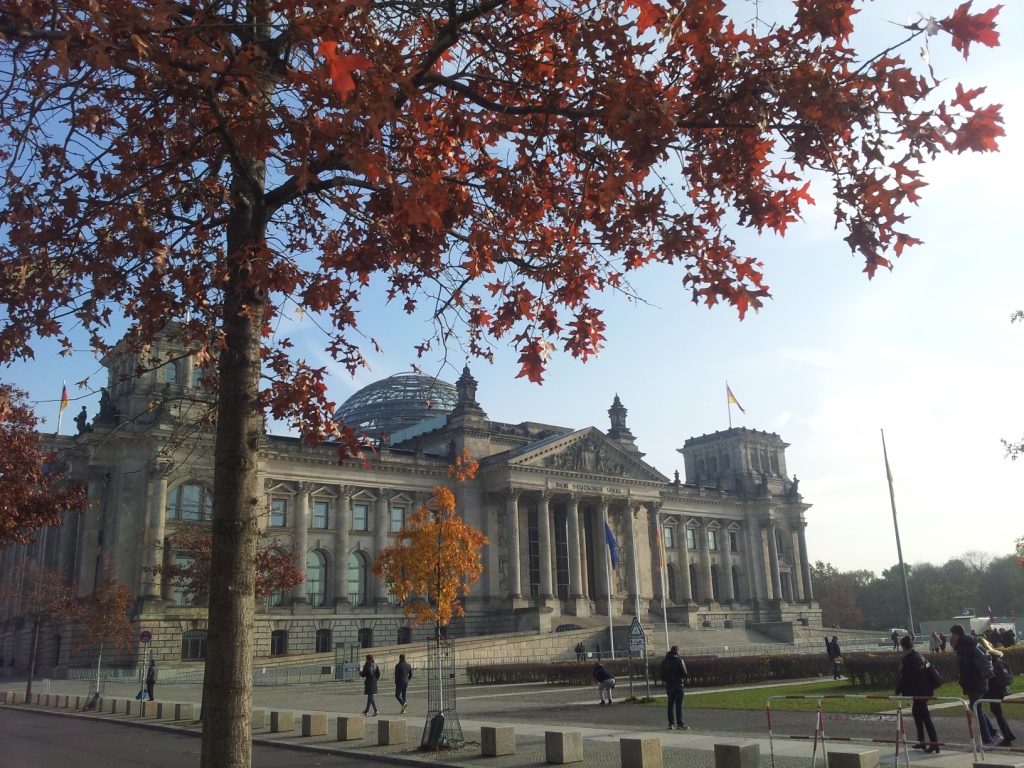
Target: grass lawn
757	698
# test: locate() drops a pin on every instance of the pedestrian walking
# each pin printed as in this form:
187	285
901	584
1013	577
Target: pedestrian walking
151	675
370	674
581	651
942	642
403	674
895	637
673	675
973	682
934	644
998	688
915	681
605	683
835	657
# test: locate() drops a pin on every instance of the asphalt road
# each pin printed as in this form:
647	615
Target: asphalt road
33	740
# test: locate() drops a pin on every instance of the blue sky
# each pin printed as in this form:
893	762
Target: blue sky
926	352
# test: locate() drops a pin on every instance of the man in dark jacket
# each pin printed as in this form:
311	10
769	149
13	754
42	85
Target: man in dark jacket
835	656
403	674
673	674
151	675
972	683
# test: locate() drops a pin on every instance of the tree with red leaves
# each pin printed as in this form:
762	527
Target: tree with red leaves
220	162
105	617
33	493
276	571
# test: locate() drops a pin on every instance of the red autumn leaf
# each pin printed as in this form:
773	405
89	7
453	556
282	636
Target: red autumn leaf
341	67
967	28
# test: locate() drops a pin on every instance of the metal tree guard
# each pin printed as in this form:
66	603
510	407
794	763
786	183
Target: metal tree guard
442	729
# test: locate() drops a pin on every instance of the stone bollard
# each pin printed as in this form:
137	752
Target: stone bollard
18	697
184	711
351	727
742	755
133	707
165	710
563	746
391	731
854	758
640	753
497	740
63	701
1005	761
259	719
281	722
314	724
151	709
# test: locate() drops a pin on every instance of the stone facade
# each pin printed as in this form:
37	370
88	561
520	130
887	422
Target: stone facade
547	497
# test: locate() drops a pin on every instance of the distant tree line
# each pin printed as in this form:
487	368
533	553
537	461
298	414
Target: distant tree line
974	581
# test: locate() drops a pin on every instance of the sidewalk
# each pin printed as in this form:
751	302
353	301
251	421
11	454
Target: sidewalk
540	709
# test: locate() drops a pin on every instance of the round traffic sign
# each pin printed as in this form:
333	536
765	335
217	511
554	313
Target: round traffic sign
145	636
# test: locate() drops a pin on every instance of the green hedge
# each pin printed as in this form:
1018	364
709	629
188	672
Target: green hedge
874	670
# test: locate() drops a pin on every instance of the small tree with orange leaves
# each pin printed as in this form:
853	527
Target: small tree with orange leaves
432	565
105	617
436	557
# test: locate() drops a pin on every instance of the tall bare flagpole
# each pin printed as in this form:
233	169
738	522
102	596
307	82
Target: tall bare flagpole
899	549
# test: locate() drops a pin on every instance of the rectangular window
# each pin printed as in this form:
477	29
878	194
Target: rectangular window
691	538
397	519
734	541
320	516
712	539
360	517
278	513
670	537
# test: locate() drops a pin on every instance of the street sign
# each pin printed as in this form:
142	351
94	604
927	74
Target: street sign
145	636
637	645
636	631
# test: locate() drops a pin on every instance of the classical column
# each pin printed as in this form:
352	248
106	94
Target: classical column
381	518
515	581
805	563
155	534
341	546
572	516
544	542
634	566
585	553
707	592
684	566
301	539
727	590
773	560
87	548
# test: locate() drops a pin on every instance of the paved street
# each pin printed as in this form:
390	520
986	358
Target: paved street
533	709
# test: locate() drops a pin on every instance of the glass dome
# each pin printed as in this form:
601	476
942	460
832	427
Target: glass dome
397	402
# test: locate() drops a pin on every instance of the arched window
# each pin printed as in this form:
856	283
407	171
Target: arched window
190	502
694	593
357	579
193	645
736	583
316	577
278	642
276	598
177	590
171	373
323	641
365	636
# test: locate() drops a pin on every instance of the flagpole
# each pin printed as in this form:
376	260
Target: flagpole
608	578
728	404
664	582
896	527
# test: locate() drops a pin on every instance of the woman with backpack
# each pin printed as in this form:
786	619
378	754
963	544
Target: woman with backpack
915	681
370	674
998	688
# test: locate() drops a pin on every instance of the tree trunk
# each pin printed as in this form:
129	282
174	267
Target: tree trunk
32	658
237	498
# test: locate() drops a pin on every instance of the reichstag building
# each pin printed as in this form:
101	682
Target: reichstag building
732	530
